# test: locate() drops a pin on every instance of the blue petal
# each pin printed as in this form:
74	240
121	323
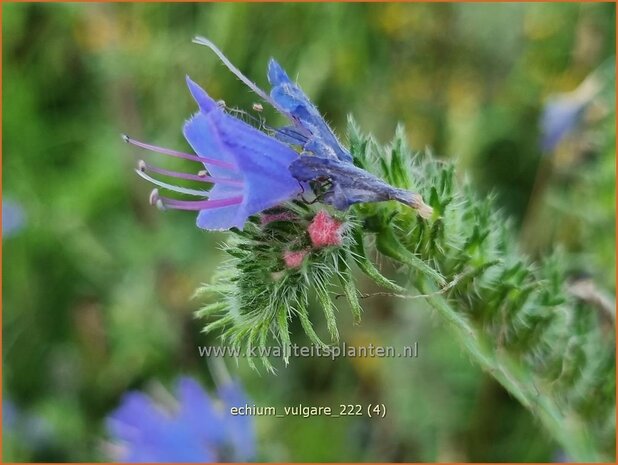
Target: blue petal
12	218
292	135
142	429
136	417
148	434
240	427
262	164
196	432
276	74
561	115
292	100
222	218
9	410
203	137
350	184
197	411
320	149
203	100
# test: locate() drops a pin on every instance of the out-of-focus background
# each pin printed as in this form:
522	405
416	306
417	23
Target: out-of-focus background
97	284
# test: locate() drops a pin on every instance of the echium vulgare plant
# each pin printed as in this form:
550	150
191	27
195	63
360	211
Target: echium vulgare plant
303	211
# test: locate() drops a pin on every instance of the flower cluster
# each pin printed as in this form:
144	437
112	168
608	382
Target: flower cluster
516	319
286	194
323	231
192	428
251	171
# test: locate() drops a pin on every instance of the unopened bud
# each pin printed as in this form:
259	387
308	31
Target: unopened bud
325	230
293	259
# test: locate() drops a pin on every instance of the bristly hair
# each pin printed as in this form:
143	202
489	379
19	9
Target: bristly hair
516	319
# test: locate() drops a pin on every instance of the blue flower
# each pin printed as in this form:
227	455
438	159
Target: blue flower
248	168
292	101
9	414
563	112
34	431
351	184
322	157
12	218
194	430
251	171
561	116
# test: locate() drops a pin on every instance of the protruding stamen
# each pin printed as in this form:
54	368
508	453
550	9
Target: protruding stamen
248	82
258	107
171	187
154	197
175	153
174	204
202	176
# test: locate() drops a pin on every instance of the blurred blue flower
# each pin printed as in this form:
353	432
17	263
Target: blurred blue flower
194	430
563	112
561	115
9	414
12	218
30	428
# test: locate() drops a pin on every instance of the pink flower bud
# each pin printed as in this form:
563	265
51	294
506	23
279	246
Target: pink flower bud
324	230
293	259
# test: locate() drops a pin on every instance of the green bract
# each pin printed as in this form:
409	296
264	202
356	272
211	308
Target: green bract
515	318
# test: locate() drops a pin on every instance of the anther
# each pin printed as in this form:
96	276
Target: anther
154	197
160	205
176	153
257	107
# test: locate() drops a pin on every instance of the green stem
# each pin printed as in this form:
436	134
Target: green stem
388	244
569	431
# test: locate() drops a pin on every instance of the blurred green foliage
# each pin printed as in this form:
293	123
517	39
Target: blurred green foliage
97	285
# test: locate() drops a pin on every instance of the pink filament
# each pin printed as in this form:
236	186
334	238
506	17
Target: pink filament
175	153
